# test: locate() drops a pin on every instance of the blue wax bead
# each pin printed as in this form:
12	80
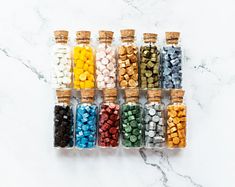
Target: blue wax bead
84	140
86	115
84	120
87	133
85	128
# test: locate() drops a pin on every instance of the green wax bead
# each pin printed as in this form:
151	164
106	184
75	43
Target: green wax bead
134	111
150	80
150	85
126	114
155	78
129	113
130	118
150	64
133	138
156	85
125	108
125	121
154	55
127	143
133	124
148	73
143	79
127	135
136	132
155	71
128	128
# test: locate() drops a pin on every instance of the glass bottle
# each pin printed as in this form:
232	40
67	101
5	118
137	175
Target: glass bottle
171	73
83	61
154	127
86	120
149	62
176	120
106	65
108	133
131	120
63	120
62	75
128	60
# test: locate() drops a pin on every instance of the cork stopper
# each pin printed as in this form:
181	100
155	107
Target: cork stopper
150	37
127	35
87	95
106	37
172	37
63	96
154	95
83	37
110	94
177	95
61	36
132	94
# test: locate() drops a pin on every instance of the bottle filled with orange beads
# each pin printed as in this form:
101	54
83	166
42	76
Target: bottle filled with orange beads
83	62
176	120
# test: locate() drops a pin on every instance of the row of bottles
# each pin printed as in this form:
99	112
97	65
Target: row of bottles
123	66
152	125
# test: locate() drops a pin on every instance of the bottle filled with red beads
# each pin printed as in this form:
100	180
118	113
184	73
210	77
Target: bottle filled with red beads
108	133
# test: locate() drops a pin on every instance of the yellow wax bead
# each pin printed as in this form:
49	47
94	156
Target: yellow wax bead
91	69
82	85
82	77
79	64
79	71
91	78
89	84
85	67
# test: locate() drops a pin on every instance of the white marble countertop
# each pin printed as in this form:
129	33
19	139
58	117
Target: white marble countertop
27	157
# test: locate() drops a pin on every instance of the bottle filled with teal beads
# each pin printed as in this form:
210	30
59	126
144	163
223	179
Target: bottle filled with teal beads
86	121
131	115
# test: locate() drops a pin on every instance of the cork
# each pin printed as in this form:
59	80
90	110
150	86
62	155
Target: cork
133	92
105	36
127	35
150	37
177	95
83	36
172	37
154	95
61	36
112	92
63	96
89	93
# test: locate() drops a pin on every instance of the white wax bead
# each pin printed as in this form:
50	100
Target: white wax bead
109	57
105	61
100	77
105	72
101	85
102	67
102	54
98	72
101	46
110	66
112	53
108	49
106	79
113	60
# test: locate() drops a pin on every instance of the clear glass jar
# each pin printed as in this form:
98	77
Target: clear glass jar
83	62
171	73
128	60
106	65
154	126
63	120
131	120
86	120
109	118
62	75
149	62
176	120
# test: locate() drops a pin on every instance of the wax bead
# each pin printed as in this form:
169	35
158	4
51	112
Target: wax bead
105	61
149	62
176	120
128	60
83	60
63	126
171	73
62	76
132	128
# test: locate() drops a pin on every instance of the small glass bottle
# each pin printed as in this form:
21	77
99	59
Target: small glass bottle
149	62
171	73
62	75
176	120
106	65
108	135
63	120
131	120
86	120
128	60
83	61
154	127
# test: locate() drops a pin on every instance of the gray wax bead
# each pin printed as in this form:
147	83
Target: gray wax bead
151	133
155	118
152	112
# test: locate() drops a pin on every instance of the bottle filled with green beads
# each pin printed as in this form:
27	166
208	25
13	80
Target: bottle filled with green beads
131	120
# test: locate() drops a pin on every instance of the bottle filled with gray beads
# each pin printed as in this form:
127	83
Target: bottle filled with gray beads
171	62
154	127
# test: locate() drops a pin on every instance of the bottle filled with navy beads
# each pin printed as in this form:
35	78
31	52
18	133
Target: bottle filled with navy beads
131	116
86	121
171	63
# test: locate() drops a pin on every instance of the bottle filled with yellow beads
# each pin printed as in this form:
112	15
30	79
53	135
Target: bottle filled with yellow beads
83	61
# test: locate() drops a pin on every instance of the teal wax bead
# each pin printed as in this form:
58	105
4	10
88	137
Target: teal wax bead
86	125
132	128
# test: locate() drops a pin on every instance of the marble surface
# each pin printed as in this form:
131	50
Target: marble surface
27	157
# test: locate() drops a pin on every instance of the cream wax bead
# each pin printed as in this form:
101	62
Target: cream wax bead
62	76
105	61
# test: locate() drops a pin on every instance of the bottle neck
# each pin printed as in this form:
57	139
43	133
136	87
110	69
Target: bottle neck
132	99
109	99
127	40
61	41
87	99
85	41
177	100
154	99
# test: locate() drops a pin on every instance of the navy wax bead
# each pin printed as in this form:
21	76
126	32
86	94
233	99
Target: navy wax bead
171	67
85	128
63	126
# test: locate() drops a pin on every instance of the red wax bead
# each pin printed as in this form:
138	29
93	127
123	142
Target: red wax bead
113	130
